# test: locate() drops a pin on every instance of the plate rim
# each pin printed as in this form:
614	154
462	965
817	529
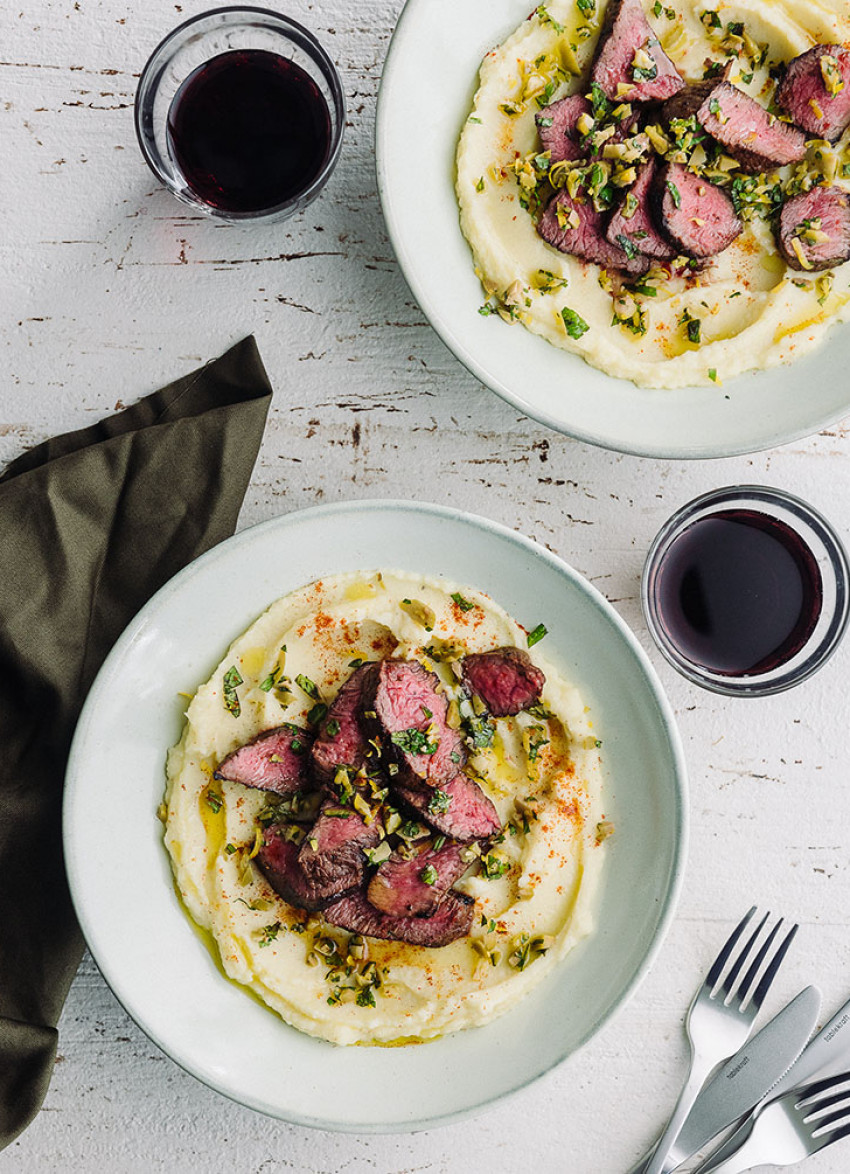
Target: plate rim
692	452
448	513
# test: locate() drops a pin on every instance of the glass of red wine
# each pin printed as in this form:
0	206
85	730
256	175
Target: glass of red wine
745	591
240	113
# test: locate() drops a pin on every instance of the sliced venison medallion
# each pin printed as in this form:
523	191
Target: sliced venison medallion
452	919
630	64
276	760
506	679
407	888
633	220
813	233
579	230
687	102
815	91
409	714
557	126
277	859
331	857
341	740
748	132
459	808
696	216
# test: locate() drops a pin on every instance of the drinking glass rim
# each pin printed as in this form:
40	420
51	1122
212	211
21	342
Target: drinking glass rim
314	48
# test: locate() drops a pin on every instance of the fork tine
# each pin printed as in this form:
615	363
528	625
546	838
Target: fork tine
770	974
723	957
836	1117
749	979
737	966
812	1094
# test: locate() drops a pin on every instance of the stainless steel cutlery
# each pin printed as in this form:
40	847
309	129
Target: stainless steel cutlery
721	1017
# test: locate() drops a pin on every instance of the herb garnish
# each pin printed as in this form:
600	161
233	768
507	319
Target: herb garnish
332	728
308	686
537	634
214	801
439	803
317	713
232	679
675	193
413	741
462	603
429	874
269	933
575	325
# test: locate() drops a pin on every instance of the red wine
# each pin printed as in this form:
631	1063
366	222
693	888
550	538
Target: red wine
249	130
739	593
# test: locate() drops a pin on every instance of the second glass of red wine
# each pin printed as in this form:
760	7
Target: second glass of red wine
745	590
240	113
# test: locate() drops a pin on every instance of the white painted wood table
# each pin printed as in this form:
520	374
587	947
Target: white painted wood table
110	288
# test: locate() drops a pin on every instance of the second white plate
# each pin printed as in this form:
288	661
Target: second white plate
121	882
426	93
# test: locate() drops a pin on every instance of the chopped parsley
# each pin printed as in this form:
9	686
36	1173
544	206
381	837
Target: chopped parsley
332	728
494	867
269	933
413	741
429	874
271	680
479	187
232	679
535	636
439	803
629	248
675	193
480	731
575	325
317	713
462	603
308	686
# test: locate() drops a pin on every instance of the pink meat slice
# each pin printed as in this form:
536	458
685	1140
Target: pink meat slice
341	740
828	210
588	240
804	95
459	808
505	679
697	217
409	713
640	228
627	30
748	132
275	760
404	888
452	919
557	127
331	857
278	861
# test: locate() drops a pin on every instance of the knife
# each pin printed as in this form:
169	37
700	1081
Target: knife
745	1079
827	1055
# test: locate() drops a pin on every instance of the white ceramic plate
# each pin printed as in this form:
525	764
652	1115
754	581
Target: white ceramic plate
426	93
121	880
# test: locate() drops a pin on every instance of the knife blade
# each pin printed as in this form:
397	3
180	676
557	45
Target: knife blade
827	1055
748	1076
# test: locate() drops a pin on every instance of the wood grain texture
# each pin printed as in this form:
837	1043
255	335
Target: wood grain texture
108	288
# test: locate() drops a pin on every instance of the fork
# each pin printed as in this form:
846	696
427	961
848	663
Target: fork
721	1018
794	1126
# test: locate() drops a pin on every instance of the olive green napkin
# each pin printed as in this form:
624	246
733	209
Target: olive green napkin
91	524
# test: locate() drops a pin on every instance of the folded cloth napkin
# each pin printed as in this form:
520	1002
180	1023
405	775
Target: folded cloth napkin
91	524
